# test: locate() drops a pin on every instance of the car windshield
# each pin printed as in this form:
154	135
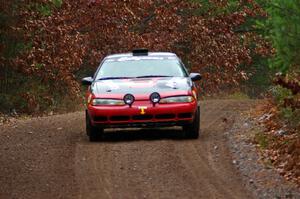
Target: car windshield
140	68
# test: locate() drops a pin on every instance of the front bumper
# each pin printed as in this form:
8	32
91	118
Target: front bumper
142	114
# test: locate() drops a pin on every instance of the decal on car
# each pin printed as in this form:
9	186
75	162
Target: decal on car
142	109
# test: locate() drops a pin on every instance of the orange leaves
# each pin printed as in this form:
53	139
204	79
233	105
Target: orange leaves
81	33
283	142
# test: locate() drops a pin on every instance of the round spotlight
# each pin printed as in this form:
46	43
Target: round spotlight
128	99
155	98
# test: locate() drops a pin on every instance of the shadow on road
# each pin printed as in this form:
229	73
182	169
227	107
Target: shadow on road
142	134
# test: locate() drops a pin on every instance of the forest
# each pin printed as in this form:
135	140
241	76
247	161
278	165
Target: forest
241	47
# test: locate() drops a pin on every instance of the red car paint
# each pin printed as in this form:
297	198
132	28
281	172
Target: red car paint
142	110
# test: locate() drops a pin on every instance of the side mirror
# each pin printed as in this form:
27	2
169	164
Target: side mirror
195	76
87	81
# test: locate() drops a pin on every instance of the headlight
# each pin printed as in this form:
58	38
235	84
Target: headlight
97	101
178	99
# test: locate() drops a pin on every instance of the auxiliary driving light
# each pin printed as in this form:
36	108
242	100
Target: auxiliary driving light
128	99
155	98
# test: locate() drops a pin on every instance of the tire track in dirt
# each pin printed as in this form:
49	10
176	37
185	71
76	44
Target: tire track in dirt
159	164
50	157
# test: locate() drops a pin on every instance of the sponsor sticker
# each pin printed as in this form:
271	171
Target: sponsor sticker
142	109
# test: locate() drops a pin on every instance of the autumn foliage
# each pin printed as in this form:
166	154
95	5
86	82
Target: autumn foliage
51	44
280	141
63	38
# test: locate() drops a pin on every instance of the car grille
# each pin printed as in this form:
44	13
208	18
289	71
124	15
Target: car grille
165	116
147	117
142	117
119	118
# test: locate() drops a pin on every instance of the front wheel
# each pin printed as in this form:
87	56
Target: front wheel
192	130
94	133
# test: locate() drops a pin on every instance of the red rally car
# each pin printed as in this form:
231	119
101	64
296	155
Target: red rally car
142	89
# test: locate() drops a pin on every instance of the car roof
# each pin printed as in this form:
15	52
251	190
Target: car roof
150	54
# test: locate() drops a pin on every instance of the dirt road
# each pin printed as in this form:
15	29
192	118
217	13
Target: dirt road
51	157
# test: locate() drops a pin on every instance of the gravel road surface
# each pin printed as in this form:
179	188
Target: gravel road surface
50	157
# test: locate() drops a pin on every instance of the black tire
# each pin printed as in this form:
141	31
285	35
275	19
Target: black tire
94	133
192	130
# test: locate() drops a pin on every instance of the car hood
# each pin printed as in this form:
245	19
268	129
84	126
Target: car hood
166	86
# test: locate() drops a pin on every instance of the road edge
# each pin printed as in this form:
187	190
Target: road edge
261	179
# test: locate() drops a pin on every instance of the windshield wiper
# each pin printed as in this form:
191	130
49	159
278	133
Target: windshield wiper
108	78
149	76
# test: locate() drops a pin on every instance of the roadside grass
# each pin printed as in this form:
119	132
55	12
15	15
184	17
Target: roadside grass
279	141
289	116
279	93
237	95
261	140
